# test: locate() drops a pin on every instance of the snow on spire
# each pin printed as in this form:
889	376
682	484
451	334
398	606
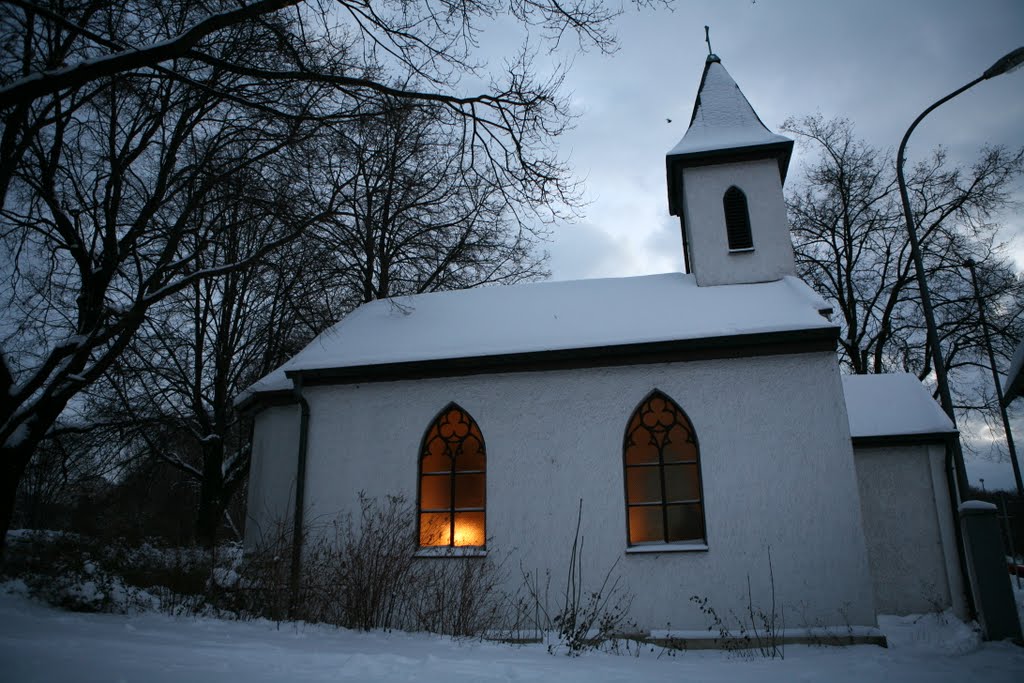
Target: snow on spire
722	117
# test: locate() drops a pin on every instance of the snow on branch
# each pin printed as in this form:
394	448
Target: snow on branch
52	81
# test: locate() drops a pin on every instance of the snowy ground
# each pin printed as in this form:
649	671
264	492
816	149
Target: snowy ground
38	643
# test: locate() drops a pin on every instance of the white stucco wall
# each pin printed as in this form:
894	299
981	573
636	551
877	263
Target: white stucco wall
710	258
271	498
909	528
776	460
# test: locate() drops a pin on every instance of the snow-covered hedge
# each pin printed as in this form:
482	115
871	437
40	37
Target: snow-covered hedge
86	574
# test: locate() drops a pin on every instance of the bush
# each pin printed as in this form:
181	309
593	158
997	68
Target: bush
758	630
364	574
459	596
83	573
361	571
584	619
368	566
262	589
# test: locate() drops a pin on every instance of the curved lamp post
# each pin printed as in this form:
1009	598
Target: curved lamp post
1007	63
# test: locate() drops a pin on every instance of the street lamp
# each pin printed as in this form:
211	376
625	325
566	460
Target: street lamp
969	264
1006	64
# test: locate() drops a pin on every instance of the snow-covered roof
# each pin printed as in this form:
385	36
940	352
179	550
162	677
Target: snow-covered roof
552	316
892	405
1013	383
722	117
723	128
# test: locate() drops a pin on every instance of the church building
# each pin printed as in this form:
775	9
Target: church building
700	417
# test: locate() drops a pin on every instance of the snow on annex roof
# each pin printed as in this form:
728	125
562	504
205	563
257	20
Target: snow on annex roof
892	405
722	117
552	316
1013	383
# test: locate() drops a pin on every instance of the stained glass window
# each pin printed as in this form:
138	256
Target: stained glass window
452	482
662	472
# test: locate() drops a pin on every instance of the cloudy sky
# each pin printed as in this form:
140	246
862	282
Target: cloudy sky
878	63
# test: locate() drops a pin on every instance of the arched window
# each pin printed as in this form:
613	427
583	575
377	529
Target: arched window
737	219
451	495
662	470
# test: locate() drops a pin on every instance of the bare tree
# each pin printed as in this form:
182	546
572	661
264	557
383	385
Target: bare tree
852	247
101	217
346	46
69	467
417	216
120	122
407	220
175	382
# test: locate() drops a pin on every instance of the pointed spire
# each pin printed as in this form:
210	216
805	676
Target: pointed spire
724	128
722	117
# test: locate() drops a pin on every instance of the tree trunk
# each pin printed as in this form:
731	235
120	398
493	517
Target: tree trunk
211	495
12	466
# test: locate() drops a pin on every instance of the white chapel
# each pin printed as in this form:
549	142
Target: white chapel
701	417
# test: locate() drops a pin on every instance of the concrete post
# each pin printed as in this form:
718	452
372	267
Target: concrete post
990	580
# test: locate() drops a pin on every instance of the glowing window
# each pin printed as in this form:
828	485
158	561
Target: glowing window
452	483
662	471
737	219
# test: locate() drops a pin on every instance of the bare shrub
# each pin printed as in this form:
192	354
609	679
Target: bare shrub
368	566
353	573
363	573
264	590
756	631
584	619
459	596
821	634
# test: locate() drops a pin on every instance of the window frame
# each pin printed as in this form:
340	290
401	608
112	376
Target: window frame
664	544
451	474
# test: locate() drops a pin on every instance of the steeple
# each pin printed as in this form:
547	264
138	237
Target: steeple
723	120
725	183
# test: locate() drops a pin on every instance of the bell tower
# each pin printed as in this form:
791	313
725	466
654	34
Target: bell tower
725	183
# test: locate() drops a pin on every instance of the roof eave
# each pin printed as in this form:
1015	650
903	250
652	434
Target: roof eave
259	400
1014	390
889	440
781	151
708	348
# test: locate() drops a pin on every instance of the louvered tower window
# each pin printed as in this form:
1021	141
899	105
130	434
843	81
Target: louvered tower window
737	219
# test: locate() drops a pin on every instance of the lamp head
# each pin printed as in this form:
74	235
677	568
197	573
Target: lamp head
1006	63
